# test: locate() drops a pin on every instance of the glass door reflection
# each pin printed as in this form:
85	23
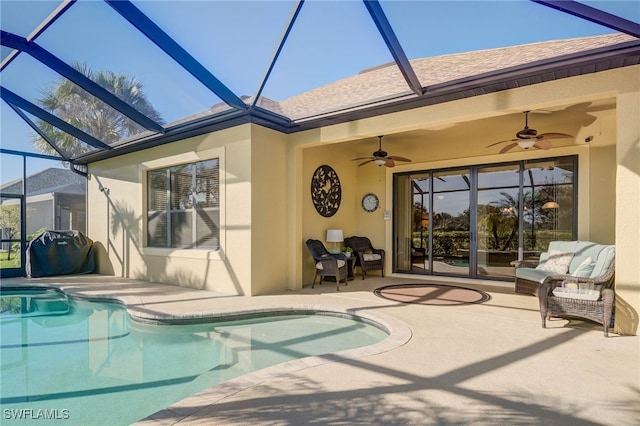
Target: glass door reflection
451	222
497	220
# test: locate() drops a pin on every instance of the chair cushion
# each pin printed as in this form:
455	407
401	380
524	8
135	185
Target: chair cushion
341	263
532	274
563	246
585	268
606	256
584	249
368	257
557	262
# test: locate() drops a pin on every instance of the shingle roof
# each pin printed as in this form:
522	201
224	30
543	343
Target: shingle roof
386	81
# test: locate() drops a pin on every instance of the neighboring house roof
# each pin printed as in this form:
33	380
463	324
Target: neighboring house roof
51	180
69	189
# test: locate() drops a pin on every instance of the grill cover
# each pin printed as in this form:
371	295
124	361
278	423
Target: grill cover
59	253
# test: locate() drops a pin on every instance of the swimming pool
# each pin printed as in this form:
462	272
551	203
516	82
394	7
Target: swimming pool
88	363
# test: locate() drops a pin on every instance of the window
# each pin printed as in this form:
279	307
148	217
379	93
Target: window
183	206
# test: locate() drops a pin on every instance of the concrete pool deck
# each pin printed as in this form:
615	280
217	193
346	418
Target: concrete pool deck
489	363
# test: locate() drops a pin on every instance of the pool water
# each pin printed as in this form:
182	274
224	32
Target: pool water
77	362
456	262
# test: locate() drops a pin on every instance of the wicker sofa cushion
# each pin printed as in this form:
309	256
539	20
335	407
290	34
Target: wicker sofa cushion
606	256
580	249
532	274
585	249
601	255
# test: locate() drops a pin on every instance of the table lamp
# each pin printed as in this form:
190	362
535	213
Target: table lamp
335	236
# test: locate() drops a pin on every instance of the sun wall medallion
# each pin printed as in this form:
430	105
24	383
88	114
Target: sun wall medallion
326	192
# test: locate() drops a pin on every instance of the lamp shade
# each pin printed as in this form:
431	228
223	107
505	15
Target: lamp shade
550	205
334	236
380	161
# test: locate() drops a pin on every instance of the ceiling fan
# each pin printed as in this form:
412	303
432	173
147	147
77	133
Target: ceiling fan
380	157
527	138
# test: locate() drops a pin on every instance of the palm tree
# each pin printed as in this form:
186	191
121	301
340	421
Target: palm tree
491	220
509	218
79	108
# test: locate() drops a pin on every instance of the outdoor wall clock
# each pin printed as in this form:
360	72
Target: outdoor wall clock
370	202
326	193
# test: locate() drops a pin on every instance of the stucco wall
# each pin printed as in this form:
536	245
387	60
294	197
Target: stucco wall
627	211
269	214
117	215
314	225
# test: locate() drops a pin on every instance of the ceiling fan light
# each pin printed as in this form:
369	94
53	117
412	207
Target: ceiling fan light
526	143
380	161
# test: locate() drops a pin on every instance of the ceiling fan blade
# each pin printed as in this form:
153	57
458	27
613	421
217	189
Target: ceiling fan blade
508	147
362	158
395	158
498	143
554	136
366	162
389	162
543	144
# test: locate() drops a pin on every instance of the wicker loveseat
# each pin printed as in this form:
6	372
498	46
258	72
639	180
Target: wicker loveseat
598	310
367	257
586	262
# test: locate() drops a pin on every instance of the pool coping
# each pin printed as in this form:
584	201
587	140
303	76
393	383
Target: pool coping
399	334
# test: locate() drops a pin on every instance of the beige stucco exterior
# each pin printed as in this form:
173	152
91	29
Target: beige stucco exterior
267	212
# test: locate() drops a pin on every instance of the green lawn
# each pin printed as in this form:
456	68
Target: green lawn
13	263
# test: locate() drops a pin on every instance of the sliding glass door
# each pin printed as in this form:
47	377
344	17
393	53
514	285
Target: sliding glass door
476	221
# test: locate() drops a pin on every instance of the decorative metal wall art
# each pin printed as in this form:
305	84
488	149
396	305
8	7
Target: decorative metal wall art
326	192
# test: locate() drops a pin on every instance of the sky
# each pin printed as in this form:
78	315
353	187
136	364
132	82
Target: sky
330	40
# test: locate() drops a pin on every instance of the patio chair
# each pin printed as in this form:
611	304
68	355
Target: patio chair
367	257
327	264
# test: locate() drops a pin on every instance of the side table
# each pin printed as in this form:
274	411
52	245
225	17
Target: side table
351	264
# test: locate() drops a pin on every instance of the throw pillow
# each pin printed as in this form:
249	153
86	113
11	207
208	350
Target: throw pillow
558	262
370	257
585	268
